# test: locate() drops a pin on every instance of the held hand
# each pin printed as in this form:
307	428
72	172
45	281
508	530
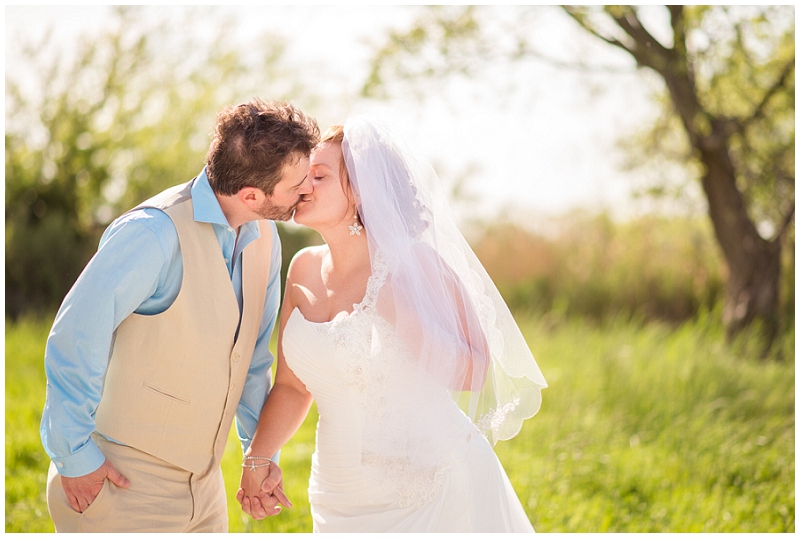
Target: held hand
273	486
82	490
249	489
261	492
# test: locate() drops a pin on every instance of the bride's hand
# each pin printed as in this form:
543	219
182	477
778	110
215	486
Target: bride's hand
249	490
261	491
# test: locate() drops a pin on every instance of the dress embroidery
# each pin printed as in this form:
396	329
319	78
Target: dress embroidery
358	338
415	484
353	333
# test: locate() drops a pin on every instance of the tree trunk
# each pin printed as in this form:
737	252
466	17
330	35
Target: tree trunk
752	290
754	263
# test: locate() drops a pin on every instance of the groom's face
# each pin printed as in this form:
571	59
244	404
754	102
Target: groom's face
293	185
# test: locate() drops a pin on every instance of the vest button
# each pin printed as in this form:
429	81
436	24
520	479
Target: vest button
236	357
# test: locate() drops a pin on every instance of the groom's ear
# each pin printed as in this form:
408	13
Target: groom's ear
251	197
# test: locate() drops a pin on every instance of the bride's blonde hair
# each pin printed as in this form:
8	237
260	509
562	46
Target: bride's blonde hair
335	135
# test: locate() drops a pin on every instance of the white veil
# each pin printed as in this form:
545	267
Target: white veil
460	339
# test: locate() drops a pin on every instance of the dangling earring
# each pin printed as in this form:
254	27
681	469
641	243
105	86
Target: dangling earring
355	228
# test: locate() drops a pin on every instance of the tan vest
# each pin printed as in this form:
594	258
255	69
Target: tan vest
174	379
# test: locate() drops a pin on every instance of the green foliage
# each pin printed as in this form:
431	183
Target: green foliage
652	268
91	134
456	39
643	429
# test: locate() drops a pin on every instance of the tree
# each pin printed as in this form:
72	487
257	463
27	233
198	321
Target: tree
728	78
94	130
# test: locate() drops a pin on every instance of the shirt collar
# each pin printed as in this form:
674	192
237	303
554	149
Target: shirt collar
207	208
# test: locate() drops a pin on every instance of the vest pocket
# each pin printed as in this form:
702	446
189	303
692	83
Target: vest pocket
166	394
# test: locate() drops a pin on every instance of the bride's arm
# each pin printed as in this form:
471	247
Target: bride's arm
463	335
283	413
476	348
469	340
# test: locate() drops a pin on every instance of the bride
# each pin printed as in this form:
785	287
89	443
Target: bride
396	331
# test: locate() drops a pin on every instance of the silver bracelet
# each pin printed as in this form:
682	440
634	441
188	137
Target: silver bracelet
253	465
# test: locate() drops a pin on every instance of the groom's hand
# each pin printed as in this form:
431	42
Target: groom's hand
268	500
82	490
273	485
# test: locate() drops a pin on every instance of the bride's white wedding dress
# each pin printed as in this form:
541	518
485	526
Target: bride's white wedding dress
463	488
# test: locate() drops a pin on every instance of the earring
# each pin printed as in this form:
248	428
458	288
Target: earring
355	228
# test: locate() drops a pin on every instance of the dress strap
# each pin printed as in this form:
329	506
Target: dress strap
380	270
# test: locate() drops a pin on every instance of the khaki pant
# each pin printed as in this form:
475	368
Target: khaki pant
161	497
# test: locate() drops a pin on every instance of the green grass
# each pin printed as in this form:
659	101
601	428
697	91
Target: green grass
643	429
652	430
26	461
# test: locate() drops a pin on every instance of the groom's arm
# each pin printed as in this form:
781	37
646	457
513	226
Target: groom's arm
124	275
134	269
257	383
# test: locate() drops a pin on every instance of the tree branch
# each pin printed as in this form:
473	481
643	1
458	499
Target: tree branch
676	18
678	24
525	50
579	17
772	91
628	20
787	220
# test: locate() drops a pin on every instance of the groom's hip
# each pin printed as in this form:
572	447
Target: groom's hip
161	497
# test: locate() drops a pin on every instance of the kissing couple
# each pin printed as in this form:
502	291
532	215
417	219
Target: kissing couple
392	327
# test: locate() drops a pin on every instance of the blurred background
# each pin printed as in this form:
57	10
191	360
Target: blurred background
626	175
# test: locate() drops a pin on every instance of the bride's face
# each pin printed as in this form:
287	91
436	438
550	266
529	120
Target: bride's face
328	206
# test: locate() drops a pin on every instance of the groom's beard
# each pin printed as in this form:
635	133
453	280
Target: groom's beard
275	212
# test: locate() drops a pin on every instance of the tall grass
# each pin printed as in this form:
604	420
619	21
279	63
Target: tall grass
649	429
644	428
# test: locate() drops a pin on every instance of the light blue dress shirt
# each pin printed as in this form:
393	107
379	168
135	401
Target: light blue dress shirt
138	268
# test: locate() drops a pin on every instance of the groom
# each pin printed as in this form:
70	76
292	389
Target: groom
164	336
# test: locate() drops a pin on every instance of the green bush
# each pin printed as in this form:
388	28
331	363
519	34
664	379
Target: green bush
653	268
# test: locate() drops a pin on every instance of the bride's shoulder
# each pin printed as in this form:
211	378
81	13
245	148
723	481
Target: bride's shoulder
307	260
311	254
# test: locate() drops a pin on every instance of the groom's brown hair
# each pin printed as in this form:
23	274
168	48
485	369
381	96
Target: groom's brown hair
252	143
